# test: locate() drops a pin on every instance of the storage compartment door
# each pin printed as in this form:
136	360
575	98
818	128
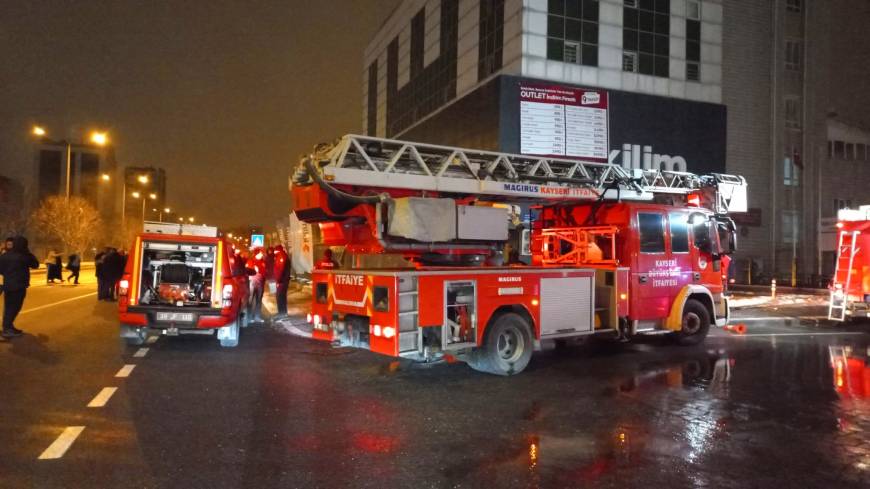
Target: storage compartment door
566	306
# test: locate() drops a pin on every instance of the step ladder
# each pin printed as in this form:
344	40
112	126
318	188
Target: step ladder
409	310
846	251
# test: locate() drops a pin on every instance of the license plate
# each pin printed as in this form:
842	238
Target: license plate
175	317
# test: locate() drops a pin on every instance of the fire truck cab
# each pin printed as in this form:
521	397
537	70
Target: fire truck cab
612	253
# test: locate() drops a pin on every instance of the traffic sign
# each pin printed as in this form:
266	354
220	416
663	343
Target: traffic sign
257	241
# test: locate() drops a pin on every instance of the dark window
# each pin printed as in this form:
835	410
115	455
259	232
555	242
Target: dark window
89	177
418	27
436	83
793	5
491	37
693	50
652	235
372	114
646	37
679	233
321	292
381	299
793	55
572	31
50	173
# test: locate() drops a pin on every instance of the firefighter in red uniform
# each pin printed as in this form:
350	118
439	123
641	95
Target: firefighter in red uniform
257	278
327	262
281	274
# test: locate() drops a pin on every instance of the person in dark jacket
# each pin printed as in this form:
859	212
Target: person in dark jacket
281	272
74	265
7	247
113	270
15	268
99	260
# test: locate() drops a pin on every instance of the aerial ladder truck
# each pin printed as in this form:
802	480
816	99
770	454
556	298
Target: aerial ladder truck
611	251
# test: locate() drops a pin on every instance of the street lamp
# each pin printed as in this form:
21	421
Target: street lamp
38	131
137	195
105	177
191	219
142	179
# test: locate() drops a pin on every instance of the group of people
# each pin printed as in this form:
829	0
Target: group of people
54	268
263	266
16	261
109	264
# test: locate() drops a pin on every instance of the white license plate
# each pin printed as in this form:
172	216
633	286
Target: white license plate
175	317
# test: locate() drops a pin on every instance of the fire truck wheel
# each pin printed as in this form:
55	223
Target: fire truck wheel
229	335
507	347
696	323
133	336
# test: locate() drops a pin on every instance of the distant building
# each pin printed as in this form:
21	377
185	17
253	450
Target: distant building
144	182
752	87
91	171
13	208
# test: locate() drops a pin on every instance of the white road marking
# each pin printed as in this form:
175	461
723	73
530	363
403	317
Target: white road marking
103	397
125	371
772	318
62	443
39	308
141	352
152	339
824	333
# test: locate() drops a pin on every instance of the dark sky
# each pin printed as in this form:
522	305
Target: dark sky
224	95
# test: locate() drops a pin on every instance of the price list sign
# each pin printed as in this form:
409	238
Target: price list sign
562	121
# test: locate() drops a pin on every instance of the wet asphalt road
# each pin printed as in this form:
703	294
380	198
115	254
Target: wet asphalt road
768	409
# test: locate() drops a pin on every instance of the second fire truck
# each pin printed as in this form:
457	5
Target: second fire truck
610	251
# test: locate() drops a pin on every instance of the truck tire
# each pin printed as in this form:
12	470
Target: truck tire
695	324
507	347
133	336
229	335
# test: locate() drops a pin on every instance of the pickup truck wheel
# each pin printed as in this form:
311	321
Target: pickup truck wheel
133	336
695	325
229	335
507	347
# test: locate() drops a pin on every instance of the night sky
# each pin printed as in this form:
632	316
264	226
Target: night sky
224	95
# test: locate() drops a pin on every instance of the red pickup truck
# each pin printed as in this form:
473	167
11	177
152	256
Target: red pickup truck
182	280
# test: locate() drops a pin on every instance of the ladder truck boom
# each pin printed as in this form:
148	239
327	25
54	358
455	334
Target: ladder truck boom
364	177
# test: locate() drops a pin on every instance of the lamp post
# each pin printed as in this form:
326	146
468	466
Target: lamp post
143	180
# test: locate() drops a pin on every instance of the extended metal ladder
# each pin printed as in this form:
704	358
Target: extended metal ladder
387	163
846	251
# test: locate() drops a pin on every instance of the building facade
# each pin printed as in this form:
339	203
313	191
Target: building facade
753	87
89	175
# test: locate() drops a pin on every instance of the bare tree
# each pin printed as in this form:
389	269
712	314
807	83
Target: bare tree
72	222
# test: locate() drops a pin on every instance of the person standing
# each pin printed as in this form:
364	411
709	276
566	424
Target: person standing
257	279
327	262
99	271
113	270
74	265
15	268
53	267
281	272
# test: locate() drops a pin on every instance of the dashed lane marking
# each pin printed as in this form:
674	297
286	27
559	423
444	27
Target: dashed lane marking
152	339
125	371
140	353
46	306
102	398
62	443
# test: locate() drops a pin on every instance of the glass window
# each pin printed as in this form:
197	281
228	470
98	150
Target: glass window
792	112
793	55
321	292
693	9
793	5
790	226
572	31
381	299
491	38
679	233
651	231
790	172
646	30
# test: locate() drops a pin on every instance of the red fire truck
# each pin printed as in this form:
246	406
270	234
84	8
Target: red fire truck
610	251
850	286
